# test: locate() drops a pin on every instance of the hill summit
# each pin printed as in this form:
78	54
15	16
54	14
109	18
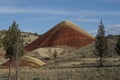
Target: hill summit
65	33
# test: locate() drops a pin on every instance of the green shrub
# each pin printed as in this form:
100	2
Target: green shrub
38	78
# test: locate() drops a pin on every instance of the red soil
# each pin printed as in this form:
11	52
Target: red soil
63	34
1	54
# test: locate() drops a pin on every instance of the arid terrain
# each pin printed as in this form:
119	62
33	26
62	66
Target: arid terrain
84	69
68	66
61	55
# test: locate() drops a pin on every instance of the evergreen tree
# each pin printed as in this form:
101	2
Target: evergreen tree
118	46
0	39
101	43
11	42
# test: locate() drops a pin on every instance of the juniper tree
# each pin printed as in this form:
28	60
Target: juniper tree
101	43
117	48
0	39
11	42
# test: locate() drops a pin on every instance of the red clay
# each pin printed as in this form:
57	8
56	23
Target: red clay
63	34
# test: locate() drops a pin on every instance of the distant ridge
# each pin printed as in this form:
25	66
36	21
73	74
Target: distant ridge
65	33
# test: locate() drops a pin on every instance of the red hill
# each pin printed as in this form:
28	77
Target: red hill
65	33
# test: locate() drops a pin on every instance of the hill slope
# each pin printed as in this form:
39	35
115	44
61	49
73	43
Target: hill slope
65	33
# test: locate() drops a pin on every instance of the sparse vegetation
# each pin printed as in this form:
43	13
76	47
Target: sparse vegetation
110	73
28	37
55	54
38	78
29	40
24	35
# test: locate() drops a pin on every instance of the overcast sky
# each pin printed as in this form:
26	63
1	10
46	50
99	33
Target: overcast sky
41	15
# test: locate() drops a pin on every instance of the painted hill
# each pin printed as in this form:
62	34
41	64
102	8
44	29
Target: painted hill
26	61
65	33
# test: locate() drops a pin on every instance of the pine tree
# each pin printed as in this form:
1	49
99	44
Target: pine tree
101	43
11	42
118	45
0	39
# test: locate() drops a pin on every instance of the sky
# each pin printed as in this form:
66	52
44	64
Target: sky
38	16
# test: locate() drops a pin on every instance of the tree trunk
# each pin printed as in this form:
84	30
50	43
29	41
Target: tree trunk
101	60
16	69
101	63
17	62
9	75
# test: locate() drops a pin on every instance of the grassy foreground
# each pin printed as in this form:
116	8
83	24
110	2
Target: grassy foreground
105	73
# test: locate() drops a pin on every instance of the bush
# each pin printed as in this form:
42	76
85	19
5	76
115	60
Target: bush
29	40
38	78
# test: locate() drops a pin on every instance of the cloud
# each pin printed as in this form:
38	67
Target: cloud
94	32
10	9
113	29
85	20
73	15
7	10
14	9
99	13
110	0
13	1
27	29
5	1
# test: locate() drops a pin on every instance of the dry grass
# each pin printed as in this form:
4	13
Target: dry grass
69	71
111	73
